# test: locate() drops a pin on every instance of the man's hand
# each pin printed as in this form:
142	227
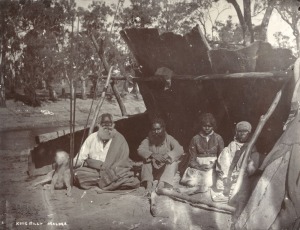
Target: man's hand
204	167
94	164
159	158
250	167
168	159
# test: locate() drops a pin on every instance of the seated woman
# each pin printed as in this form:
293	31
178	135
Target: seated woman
104	160
204	149
230	159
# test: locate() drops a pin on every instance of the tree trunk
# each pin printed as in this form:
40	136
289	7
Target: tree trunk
2	64
248	21
241	20
31	96
83	88
52	93
265	22
2	92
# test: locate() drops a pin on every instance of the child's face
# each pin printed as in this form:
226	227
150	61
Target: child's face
207	128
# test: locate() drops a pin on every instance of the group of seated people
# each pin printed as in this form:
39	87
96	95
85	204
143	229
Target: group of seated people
103	162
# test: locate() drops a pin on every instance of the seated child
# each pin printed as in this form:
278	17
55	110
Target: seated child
204	150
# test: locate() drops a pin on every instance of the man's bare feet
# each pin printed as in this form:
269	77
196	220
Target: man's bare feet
97	190
193	190
148	189
161	185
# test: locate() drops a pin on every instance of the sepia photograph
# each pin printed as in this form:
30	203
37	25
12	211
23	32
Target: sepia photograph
150	114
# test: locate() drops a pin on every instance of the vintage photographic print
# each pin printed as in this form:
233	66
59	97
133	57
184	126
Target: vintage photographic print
150	114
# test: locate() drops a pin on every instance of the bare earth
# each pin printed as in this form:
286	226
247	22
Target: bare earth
23	207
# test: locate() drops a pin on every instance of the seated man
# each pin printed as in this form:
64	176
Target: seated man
230	160
104	160
161	153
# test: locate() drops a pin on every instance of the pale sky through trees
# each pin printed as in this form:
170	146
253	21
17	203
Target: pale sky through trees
276	23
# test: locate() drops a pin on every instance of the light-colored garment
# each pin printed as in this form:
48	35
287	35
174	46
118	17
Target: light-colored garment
229	164
93	148
226	157
114	172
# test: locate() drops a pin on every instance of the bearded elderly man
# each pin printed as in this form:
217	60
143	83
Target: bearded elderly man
230	159
161	153
104	160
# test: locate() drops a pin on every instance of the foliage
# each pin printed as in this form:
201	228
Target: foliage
289	12
140	13
282	41
230	34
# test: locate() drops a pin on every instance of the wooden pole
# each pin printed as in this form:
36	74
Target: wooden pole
262	121
71	129
276	76
118	97
98	107
297	80
202	203
71	108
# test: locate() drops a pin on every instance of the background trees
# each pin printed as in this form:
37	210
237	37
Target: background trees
50	40
289	12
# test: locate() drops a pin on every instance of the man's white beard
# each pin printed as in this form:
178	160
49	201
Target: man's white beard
106	133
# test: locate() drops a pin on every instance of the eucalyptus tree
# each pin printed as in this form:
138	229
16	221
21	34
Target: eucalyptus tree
245	16
43	25
10	45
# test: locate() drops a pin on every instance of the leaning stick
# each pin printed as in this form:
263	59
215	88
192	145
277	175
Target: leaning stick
100	53
297	80
197	202
262	121
98	107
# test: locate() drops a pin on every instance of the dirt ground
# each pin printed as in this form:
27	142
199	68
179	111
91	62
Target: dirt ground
23	207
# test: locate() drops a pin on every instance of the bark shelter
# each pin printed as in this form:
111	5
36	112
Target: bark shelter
233	85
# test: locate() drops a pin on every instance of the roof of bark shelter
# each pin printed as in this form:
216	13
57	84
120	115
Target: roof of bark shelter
189	55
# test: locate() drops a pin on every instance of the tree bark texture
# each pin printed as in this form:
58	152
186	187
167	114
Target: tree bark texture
265	21
241	18
2	65
248	21
83	88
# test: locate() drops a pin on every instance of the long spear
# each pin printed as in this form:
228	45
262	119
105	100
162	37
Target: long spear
98	107
72	109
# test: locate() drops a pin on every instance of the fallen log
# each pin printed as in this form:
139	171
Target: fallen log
53	135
